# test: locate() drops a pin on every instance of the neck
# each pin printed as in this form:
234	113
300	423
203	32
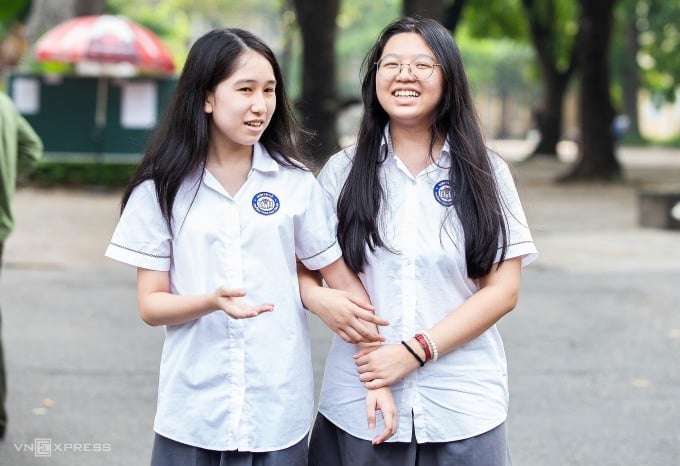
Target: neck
412	145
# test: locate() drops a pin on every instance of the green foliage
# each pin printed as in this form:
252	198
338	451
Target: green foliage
502	64
359	24
658	23
12	11
495	19
49	173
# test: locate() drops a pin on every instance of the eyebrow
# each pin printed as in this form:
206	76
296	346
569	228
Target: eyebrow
250	81
420	55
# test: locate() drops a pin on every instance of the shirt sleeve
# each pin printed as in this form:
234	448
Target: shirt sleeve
315	242
142	238
520	241
30	146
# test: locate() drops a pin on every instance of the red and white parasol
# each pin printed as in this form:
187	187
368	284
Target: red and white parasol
105	45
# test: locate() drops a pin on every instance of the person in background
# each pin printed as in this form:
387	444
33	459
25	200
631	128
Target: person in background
214	220
431	221
20	149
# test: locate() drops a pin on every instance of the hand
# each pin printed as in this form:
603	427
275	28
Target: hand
381	366
230	301
381	400
351	318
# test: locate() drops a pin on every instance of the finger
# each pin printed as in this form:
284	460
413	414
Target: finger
366	332
384	435
344	336
370	317
363	352
264	308
363	335
370	413
353	335
362	303
372	382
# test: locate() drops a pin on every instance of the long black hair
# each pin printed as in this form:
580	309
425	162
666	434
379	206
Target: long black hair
477	201
179	146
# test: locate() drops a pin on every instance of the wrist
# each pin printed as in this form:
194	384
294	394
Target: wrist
418	348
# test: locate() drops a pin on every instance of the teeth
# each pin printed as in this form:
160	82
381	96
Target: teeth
255	124
406	94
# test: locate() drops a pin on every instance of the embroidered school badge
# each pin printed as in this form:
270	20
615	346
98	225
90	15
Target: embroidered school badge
444	193
265	203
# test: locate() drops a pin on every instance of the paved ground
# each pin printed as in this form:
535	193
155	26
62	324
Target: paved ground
593	347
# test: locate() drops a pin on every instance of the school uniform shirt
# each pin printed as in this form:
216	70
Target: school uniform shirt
234	384
464	393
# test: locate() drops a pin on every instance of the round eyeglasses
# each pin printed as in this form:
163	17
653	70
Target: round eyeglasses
420	68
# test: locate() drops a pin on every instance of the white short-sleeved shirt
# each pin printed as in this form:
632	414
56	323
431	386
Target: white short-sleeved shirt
228	384
465	392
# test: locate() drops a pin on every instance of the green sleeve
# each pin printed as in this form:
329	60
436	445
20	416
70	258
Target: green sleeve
29	144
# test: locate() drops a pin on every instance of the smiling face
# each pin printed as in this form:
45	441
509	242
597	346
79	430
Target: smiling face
405	99
242	105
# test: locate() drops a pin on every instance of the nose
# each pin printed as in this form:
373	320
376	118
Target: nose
408	74
259	104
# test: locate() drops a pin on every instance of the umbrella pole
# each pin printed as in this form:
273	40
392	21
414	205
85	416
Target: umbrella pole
101	106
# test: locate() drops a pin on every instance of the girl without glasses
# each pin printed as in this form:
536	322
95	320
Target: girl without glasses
213	220
431	221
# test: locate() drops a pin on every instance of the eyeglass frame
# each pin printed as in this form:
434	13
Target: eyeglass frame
408	64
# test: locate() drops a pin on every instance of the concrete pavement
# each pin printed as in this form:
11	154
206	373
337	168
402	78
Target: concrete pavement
593	347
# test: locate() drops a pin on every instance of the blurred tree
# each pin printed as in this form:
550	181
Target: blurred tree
597	160
645	55
318	103
448	13
426	8
48	13
553	34
13	44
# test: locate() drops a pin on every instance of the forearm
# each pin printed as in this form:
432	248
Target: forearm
497	296
164	308
309	282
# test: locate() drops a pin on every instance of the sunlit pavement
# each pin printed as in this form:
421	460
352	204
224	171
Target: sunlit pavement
592	347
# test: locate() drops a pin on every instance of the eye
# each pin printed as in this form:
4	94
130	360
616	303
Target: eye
270	90
389	65
246	89
423	65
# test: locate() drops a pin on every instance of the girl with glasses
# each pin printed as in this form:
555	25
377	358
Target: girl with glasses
431	221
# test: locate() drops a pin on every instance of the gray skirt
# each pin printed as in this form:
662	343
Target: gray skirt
331	446
168	452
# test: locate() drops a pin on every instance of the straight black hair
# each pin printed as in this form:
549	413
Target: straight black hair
180	145
477	200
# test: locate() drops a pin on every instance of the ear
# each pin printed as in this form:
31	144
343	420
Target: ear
208	105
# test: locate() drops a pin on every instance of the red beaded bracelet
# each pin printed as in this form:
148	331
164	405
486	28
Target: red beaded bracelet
424	345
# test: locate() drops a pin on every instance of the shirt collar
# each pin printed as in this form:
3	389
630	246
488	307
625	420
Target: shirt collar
262	161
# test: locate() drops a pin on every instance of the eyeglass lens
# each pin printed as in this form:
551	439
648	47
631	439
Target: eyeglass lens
421	68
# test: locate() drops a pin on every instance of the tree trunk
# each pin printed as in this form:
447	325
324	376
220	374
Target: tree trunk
426	8
597	160
318	104
548	114
631	78
452	15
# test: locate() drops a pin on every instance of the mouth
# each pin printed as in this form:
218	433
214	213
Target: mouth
401	93
256	124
